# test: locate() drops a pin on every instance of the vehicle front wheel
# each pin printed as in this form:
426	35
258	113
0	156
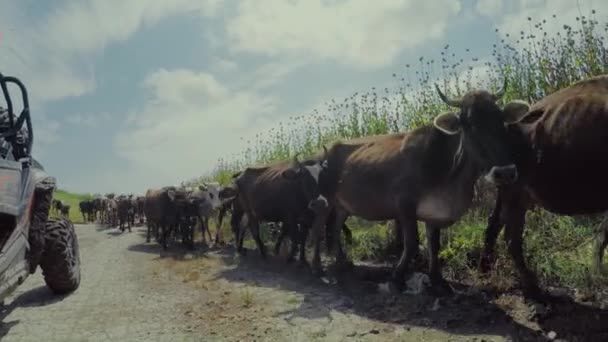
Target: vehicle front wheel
60	261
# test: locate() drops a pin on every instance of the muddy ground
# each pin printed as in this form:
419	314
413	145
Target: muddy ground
130	291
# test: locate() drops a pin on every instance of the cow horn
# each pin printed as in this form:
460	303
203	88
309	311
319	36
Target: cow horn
449	102
324	152
502	91
296	161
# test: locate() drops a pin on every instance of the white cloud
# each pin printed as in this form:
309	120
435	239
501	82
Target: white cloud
50	53
358	33
489	8
189	122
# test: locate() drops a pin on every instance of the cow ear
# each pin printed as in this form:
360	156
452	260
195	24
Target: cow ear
171	194
518	111
448	123
291	173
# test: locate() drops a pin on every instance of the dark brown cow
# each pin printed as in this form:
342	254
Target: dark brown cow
161	211
65	210
280	192
558	142
57	205
426	175
124	208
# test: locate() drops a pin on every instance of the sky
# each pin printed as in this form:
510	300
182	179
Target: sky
130	95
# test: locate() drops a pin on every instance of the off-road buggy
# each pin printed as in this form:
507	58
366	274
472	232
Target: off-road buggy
28	237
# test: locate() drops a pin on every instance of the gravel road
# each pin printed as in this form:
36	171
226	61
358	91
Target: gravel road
130	291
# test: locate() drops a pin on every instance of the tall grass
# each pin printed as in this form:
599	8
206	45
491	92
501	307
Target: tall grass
535	63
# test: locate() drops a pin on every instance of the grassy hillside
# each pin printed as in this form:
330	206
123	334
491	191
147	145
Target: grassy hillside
72	200
536	63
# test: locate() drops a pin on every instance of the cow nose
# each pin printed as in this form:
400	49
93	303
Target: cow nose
502	175
318	203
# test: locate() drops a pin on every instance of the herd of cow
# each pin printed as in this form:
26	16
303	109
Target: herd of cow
122	210
549	154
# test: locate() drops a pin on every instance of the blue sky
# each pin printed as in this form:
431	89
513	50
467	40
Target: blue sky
128	95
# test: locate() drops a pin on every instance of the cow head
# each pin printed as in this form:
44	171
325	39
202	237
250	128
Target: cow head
482	125
308	174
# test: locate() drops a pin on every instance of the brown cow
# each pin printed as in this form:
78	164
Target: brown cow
427	174
558	142
280	192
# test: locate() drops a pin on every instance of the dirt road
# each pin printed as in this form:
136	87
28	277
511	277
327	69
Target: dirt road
130	293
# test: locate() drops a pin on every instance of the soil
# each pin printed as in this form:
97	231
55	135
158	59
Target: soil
132	291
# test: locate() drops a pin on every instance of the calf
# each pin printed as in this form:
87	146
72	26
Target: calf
281	192
87	210
65	210
427	174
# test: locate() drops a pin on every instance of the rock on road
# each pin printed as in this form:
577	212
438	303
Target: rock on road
129	293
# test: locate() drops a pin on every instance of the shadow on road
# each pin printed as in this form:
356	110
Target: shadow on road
39	296
469	312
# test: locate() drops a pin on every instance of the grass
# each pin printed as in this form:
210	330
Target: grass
247	298
73	201
535	62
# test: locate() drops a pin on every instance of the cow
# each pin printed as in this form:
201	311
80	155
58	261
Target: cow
87	210
124	208
57	205
139	208
601	243
112	211
97	208
281	192
65	210
426	174
558	145
162	212
199	205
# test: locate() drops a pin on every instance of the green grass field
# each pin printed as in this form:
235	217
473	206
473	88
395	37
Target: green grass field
72	200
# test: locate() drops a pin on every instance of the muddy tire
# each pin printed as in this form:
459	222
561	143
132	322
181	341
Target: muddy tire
61	259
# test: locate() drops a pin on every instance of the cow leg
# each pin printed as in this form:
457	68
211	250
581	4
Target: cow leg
208	230
601	243
281	237
304	228
439	285
341	261
408	225
255	231
320	223
218	230
514	237
148	231
493	228
292	228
